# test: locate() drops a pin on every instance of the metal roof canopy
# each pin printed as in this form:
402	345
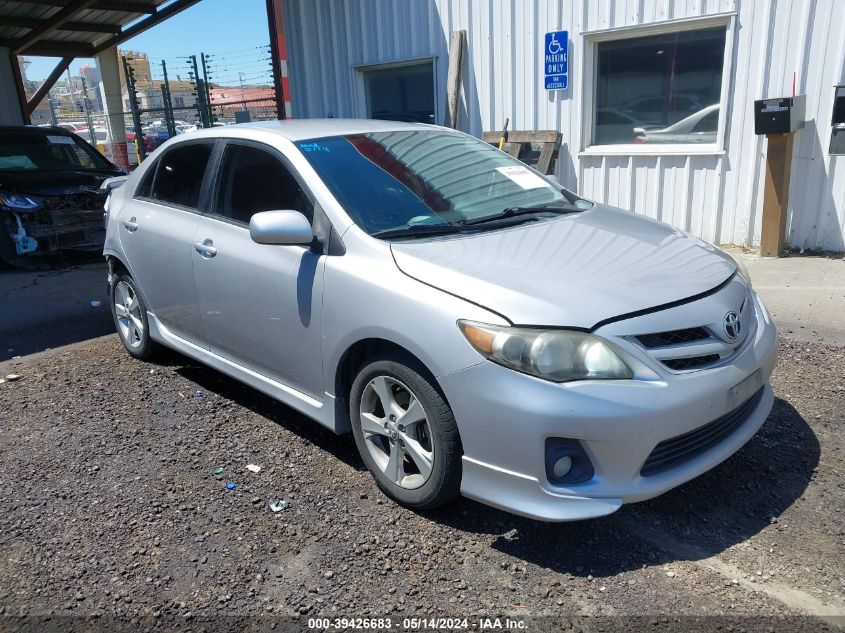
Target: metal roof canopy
78	28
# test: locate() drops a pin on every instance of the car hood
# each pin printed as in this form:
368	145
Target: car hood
573	271
55	182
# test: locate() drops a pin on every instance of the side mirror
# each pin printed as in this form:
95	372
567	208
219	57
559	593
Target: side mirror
280	227
110	184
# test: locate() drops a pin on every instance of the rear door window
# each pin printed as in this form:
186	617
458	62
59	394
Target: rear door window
180	173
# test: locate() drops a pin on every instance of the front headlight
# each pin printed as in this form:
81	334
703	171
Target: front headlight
556	355
18	202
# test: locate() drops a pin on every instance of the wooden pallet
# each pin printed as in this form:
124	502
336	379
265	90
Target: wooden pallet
521	145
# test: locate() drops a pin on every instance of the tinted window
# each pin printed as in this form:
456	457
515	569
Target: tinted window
179	175
657	81
28	149
253	180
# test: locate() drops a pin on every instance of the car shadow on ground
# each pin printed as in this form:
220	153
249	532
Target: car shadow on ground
702	518
341	447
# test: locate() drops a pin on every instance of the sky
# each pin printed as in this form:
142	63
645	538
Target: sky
210	26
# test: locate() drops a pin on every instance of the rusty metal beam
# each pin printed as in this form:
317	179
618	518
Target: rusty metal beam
50	48
177	6
82	27
51	24
19	87
44	88
103	5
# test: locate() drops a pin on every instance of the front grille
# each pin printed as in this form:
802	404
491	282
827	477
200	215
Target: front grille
694	362
675	450
673	337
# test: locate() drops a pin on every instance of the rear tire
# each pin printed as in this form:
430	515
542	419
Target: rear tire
130	318
406	433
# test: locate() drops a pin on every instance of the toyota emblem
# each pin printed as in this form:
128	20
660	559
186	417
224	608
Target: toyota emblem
732	325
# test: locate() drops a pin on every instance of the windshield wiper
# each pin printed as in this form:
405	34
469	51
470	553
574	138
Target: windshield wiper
512	212
418	230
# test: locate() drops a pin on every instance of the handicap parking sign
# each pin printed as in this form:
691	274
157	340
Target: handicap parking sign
556	60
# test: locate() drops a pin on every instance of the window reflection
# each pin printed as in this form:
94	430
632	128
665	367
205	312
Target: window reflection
659	89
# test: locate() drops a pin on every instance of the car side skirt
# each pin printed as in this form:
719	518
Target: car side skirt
322	412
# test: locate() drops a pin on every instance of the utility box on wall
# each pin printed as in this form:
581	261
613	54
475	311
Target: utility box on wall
782	115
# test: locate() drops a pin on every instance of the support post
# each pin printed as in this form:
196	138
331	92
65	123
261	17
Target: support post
453	80
109	68
168	103
776	194
129	73
202	107
86	105
279	59
210	114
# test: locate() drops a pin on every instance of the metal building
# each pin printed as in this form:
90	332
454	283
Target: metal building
658	113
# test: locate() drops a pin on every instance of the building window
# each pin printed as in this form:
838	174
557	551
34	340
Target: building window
659	89
400	92
837	134
179	102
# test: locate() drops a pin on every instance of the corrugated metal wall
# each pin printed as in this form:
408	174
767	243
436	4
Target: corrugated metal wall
718	197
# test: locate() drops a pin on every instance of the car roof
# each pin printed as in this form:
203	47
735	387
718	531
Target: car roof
35	130
302	129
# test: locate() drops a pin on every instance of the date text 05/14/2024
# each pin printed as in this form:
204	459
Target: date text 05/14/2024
416	624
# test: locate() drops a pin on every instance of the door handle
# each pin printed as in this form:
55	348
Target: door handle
205	248
130	224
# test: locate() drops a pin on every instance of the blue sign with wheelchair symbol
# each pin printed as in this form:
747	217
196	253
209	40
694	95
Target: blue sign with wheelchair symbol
556	60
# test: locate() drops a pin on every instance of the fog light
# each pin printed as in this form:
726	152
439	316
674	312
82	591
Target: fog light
567	462
562	466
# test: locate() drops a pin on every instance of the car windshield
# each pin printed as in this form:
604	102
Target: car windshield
27	150
420	178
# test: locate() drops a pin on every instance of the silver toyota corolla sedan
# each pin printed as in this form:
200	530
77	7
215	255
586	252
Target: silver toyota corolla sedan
479	329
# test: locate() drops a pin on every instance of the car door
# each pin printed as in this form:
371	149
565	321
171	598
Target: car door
261	305
157	230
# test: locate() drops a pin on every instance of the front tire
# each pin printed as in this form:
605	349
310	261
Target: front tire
130	318
406	433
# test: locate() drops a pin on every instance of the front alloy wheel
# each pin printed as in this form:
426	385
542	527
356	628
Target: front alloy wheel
405	432
396	430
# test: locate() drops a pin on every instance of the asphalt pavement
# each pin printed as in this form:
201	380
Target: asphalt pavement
45	309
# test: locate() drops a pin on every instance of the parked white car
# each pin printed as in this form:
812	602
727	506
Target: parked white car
700	127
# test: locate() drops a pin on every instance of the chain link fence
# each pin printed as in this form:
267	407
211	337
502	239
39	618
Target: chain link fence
175	96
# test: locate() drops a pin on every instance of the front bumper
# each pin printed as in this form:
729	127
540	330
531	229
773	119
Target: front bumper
505	417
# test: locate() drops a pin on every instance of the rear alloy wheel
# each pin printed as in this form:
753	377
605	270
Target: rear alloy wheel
406	434
130	318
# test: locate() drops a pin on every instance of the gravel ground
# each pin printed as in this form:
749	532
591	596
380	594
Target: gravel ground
110	508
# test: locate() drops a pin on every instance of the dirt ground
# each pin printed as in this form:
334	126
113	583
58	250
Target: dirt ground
111	512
